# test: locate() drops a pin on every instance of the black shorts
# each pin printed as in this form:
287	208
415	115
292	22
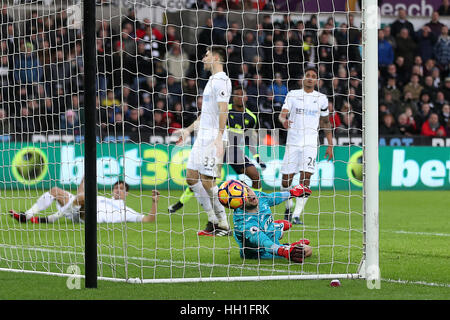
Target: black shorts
235	157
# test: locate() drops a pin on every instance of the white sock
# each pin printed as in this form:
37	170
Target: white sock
204	200
299	206
42	203
219	209
212	217
290	203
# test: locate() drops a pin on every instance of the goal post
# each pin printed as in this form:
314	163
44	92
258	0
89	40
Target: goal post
370	131
131	73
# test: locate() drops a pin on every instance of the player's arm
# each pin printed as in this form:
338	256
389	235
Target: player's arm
152	214
325	125
284	118
294	252
223	117
184	133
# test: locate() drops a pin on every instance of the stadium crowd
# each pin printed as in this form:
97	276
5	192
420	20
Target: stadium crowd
150	82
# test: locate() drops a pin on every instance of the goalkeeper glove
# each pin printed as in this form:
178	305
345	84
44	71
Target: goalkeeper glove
300	191
294	252
286	224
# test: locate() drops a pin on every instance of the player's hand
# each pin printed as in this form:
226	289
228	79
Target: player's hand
155	195
294	252
300	191
218	144
329	153
183	136
286	224
287	123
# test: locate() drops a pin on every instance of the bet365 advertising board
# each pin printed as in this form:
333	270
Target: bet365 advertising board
144	166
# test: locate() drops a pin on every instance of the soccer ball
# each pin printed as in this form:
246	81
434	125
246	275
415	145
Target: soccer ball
30	165
232	194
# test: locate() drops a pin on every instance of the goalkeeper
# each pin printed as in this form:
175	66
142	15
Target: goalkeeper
258	235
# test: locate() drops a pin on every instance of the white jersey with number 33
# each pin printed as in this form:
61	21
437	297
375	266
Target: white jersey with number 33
305	110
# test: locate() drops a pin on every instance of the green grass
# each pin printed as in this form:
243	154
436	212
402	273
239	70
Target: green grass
414	252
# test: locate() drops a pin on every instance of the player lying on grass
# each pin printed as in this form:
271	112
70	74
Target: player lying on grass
258	236
109	210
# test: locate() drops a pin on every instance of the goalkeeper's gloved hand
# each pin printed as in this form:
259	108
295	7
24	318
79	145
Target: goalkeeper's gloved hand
300	191
294	252
286	224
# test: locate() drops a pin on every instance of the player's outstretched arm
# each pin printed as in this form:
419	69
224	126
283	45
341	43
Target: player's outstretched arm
296	251
152	214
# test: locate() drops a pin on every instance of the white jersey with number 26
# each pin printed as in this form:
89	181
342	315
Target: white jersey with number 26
305	110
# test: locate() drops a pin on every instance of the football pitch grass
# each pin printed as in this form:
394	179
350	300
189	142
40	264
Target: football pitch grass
414	252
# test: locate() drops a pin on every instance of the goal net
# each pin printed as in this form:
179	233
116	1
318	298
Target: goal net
150	83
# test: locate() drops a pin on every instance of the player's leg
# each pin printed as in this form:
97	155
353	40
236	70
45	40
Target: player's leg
253	173
185	197
209	184
42	203
305	178
286	182
307	170
289	168
195	184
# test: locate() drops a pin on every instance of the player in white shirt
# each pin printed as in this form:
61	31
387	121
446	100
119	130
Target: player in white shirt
70	206
206	156
304	110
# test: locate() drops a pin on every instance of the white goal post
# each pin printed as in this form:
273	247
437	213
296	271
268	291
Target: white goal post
150	81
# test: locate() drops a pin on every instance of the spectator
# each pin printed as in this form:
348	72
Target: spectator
429	87
405	127
400	23
413	87
392	88
445	114
446	88
385	51
432	127
423	115
279	89
440	100
4	122
177	62
70	123
444	8
389	37
110	99
388	125
347	126
250	47
435	25
204	38
335	120
27	68
406	47
442	49
220	25
159	123
426	40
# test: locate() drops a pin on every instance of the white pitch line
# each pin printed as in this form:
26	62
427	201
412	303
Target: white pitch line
429	284
418	233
